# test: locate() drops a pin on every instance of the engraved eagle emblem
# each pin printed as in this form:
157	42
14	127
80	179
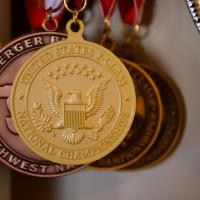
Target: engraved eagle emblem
72	112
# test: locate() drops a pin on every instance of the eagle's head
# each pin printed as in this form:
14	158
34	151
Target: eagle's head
73	96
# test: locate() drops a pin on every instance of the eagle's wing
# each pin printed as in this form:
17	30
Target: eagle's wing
52	98
94	98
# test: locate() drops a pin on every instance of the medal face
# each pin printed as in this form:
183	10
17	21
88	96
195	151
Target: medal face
73	102
173	124
145	127
13	152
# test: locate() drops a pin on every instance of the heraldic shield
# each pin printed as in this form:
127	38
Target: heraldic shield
75	111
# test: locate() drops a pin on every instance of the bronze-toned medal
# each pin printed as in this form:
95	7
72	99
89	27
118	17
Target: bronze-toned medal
146	125
173	124
73	102
13	152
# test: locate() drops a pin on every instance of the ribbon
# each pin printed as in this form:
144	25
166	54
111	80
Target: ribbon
36	12
75	4
108	7
131	11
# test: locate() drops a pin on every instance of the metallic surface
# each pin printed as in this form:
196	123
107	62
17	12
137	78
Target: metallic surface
194	8
76	10
173	124
13	152
73	102
145	127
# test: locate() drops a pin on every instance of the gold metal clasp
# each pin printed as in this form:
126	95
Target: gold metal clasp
75	12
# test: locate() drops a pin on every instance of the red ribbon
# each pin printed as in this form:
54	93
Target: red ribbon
76	4
36	13
131	10
108	7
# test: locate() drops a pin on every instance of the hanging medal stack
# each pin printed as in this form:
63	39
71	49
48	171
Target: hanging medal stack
69	104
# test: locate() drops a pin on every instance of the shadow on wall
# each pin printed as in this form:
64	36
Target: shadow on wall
4	183
30	188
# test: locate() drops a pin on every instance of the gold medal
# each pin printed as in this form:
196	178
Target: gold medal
146	125
172	125
73	102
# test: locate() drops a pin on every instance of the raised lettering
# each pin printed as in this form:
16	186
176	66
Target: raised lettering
28	43
2	61
18	47
38	41
14	160
24	165
9	53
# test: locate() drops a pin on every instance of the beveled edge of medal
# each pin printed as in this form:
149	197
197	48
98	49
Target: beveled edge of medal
49	175
182	113
115	58
25	36
119	167
183	119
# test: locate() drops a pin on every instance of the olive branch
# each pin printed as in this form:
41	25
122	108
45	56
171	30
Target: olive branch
40	119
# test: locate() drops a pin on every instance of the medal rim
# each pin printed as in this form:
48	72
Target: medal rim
181	127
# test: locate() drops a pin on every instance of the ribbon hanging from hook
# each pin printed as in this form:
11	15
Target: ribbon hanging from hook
131	11
108	7
37	11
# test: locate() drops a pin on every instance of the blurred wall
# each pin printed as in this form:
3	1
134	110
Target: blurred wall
5	18
4	183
